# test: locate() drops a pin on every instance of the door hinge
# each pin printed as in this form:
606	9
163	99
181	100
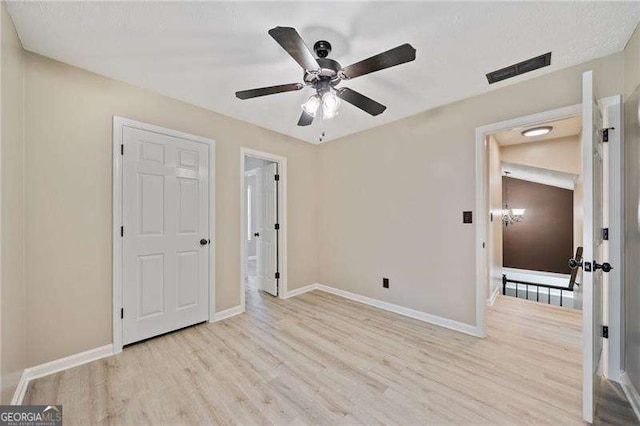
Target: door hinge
121	149
277	275
121	313
605	234
605	134
277	226
276	177
122	231
605	331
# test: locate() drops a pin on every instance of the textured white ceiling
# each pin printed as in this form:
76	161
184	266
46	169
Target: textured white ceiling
561	128
202	52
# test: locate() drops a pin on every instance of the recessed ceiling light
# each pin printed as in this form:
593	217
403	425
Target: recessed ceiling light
537	131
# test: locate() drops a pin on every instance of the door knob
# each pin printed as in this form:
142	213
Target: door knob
574	263
204	242
257	234
606	267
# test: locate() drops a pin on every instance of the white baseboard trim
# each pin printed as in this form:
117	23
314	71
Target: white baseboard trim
408	312
21	389
494	295
69	362
301	290
228	313
56	366
631	392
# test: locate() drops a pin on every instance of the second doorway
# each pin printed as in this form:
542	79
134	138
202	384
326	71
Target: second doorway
261	217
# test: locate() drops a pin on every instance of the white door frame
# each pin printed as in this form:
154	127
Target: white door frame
119	123
612	368
282	219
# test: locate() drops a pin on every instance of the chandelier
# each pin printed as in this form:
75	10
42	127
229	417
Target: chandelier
510	215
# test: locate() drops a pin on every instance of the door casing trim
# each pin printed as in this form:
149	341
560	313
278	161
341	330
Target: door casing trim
282	219
119	123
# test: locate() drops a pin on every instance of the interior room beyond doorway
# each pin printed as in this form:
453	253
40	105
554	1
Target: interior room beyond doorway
536	205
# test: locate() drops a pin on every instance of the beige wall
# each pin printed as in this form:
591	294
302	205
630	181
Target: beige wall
632	63
391	198
561	154
68	201
632	206
495	206
13	358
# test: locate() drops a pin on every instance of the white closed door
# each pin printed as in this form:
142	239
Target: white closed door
165	217
592	279
267	242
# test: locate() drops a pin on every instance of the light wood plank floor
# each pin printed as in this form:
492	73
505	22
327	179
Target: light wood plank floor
321	359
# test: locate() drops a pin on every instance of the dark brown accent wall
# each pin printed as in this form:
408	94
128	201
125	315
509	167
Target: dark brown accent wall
543	241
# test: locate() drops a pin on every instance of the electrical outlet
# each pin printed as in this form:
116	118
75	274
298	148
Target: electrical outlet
385	282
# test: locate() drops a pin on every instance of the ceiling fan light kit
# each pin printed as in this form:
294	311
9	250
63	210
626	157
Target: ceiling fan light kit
311	106
323	75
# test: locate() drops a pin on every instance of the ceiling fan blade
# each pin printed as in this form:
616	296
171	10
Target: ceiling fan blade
361	101
271	90
291	41
305	119
390	58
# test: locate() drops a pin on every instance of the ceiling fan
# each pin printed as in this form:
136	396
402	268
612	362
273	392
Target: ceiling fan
324	74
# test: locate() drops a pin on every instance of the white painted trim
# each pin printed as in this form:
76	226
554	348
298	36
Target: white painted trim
401	310
551	278
494	295
282	209
541	175
228	313
58	365
615	307
301	290
117	251
21	389
69	362
481	193
631	392
532	272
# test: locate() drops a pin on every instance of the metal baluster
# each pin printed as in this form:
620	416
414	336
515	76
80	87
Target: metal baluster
537	293
560	297
527	293
516	290
548	296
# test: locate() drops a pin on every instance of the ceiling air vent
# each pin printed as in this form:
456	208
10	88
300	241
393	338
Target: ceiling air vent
519	68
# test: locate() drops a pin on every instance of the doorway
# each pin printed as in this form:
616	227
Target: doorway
602	160
263	213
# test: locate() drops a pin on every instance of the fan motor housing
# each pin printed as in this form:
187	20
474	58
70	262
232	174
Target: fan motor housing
328	72
322	48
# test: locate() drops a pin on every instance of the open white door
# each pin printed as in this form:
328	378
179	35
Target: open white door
267	241
593	165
